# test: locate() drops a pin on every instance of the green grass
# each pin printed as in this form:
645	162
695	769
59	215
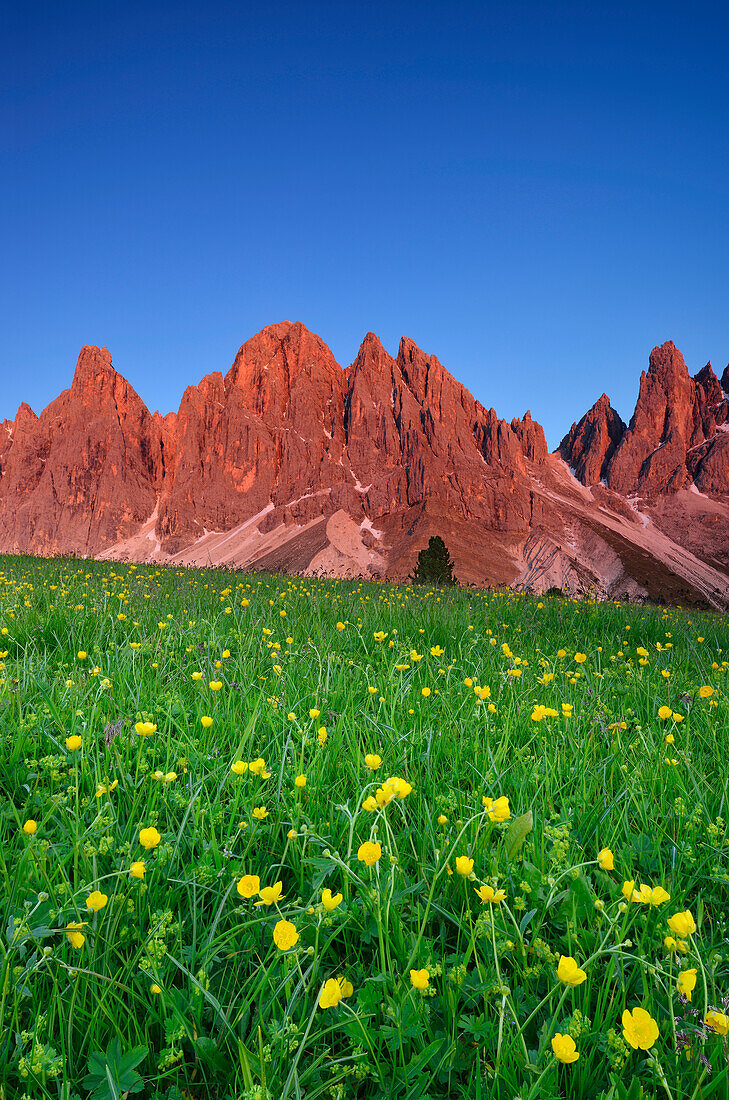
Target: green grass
235	1016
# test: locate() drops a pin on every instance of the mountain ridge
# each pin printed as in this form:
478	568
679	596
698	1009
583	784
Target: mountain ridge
288	460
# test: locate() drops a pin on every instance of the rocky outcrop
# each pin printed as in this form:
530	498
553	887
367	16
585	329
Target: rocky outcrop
589	445
672	437
86	471
289	462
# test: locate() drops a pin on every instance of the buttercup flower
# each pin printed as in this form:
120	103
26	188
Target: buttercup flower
285	935
331	994
74	742
369	853
717	1021
270	895
373	761
145	729
464	865
686	982
683	924
569	972
330	901
239	767
488	894
96	901
248	886
497	810
300	781
30	827
606	859
419	979
75	936
138	869
564	1048
639	1029
149	838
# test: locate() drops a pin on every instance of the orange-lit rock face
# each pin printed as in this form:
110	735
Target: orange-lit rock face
289	462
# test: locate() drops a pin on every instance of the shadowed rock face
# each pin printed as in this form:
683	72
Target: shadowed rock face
289	459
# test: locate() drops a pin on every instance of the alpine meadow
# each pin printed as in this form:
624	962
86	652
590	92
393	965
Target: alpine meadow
272	837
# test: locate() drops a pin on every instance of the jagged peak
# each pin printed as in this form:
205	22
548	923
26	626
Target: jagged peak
667	361
93	362
24	415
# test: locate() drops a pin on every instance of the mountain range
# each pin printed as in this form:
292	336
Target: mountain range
290	463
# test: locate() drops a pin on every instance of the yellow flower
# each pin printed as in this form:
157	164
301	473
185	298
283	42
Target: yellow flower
239	767
606	859
669	739
370	804
670	943
257	767
464	865
717	1021
149	838
321	734
154	988
300	781
30	827
270	895
664	713
340	626
248	886
314	712
285	935
419	979
564	1048
215	685
706	692
330	901
197	676
206	721
580	658
81	655
138	869
73	742
75	936
96	901
639	1029
369	853
488	894
425	692
686	982
145	729
333	991
497	810
260	812
292	834
372	761
569	972
683	924
442	819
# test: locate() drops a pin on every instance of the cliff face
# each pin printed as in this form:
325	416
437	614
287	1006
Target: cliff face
289	462
675	437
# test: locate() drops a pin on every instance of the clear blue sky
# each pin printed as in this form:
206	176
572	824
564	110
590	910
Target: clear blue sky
537	193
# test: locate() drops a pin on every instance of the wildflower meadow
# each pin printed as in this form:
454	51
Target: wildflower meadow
266	838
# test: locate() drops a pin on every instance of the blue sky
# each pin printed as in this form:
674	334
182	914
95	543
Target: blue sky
535	193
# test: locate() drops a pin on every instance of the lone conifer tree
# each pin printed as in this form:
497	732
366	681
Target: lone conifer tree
434	564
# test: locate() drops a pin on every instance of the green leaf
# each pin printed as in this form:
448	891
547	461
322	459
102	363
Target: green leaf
113	1075
517	833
